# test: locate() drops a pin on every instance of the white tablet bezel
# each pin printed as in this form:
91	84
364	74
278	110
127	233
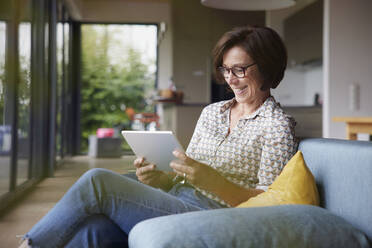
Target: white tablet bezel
155	146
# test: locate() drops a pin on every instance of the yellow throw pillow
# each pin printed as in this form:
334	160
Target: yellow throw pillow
294	185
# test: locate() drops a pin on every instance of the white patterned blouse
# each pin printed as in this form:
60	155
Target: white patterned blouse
255	151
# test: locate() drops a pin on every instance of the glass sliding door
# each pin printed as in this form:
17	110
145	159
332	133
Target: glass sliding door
24	92
66	98
62	80
5	130
27	90
6	108
59	152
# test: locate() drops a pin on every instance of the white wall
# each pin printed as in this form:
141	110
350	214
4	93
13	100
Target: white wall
299	87
313	84
347	60
165	56
291	91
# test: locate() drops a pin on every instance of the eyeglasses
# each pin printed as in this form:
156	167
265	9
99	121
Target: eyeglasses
237	71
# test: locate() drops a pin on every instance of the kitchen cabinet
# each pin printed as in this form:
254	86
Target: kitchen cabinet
303	35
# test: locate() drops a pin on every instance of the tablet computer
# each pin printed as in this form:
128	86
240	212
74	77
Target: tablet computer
155	146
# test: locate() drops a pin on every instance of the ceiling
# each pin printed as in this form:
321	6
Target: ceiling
110	10
140	11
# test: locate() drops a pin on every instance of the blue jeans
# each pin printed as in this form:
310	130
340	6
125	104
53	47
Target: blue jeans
102	198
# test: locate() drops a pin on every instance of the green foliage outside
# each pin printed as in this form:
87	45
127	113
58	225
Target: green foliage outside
107	88
23	95
21	83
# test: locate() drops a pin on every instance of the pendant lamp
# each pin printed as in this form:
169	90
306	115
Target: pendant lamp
248	4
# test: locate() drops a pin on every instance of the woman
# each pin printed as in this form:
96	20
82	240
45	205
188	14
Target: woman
237	150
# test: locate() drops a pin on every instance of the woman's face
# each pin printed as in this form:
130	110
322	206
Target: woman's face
247	88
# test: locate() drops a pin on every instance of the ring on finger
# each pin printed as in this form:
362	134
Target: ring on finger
184	178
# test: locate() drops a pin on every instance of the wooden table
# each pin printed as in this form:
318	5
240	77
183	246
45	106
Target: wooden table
355	125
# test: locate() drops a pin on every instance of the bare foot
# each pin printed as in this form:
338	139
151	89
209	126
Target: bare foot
24	244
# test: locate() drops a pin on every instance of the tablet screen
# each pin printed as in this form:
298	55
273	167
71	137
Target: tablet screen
155	146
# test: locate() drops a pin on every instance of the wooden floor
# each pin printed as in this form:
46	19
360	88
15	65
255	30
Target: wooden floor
45	195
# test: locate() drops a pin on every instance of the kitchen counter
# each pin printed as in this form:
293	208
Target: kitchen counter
308	119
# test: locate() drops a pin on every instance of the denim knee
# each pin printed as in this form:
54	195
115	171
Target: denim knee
92	177
98	176
95	173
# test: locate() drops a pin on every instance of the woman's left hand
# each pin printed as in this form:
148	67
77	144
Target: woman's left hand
198	174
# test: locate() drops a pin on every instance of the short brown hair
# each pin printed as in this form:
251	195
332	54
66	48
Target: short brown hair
263	45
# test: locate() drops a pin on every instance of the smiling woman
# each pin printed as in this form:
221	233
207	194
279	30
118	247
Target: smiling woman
264	47
237	150
247	84
251	60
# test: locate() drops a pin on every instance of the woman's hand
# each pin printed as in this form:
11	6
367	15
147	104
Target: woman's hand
147	174
198	174
207	178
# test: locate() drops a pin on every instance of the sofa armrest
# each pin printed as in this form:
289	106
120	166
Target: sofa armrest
342	170
278	226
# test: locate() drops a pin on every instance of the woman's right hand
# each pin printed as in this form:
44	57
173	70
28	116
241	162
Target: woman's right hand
148	174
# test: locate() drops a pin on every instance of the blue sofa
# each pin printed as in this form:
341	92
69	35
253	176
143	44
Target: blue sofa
343	172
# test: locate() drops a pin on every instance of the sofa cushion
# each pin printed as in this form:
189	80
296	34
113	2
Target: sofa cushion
294	185
275	226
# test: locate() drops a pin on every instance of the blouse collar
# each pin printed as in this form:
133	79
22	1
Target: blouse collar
266	109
